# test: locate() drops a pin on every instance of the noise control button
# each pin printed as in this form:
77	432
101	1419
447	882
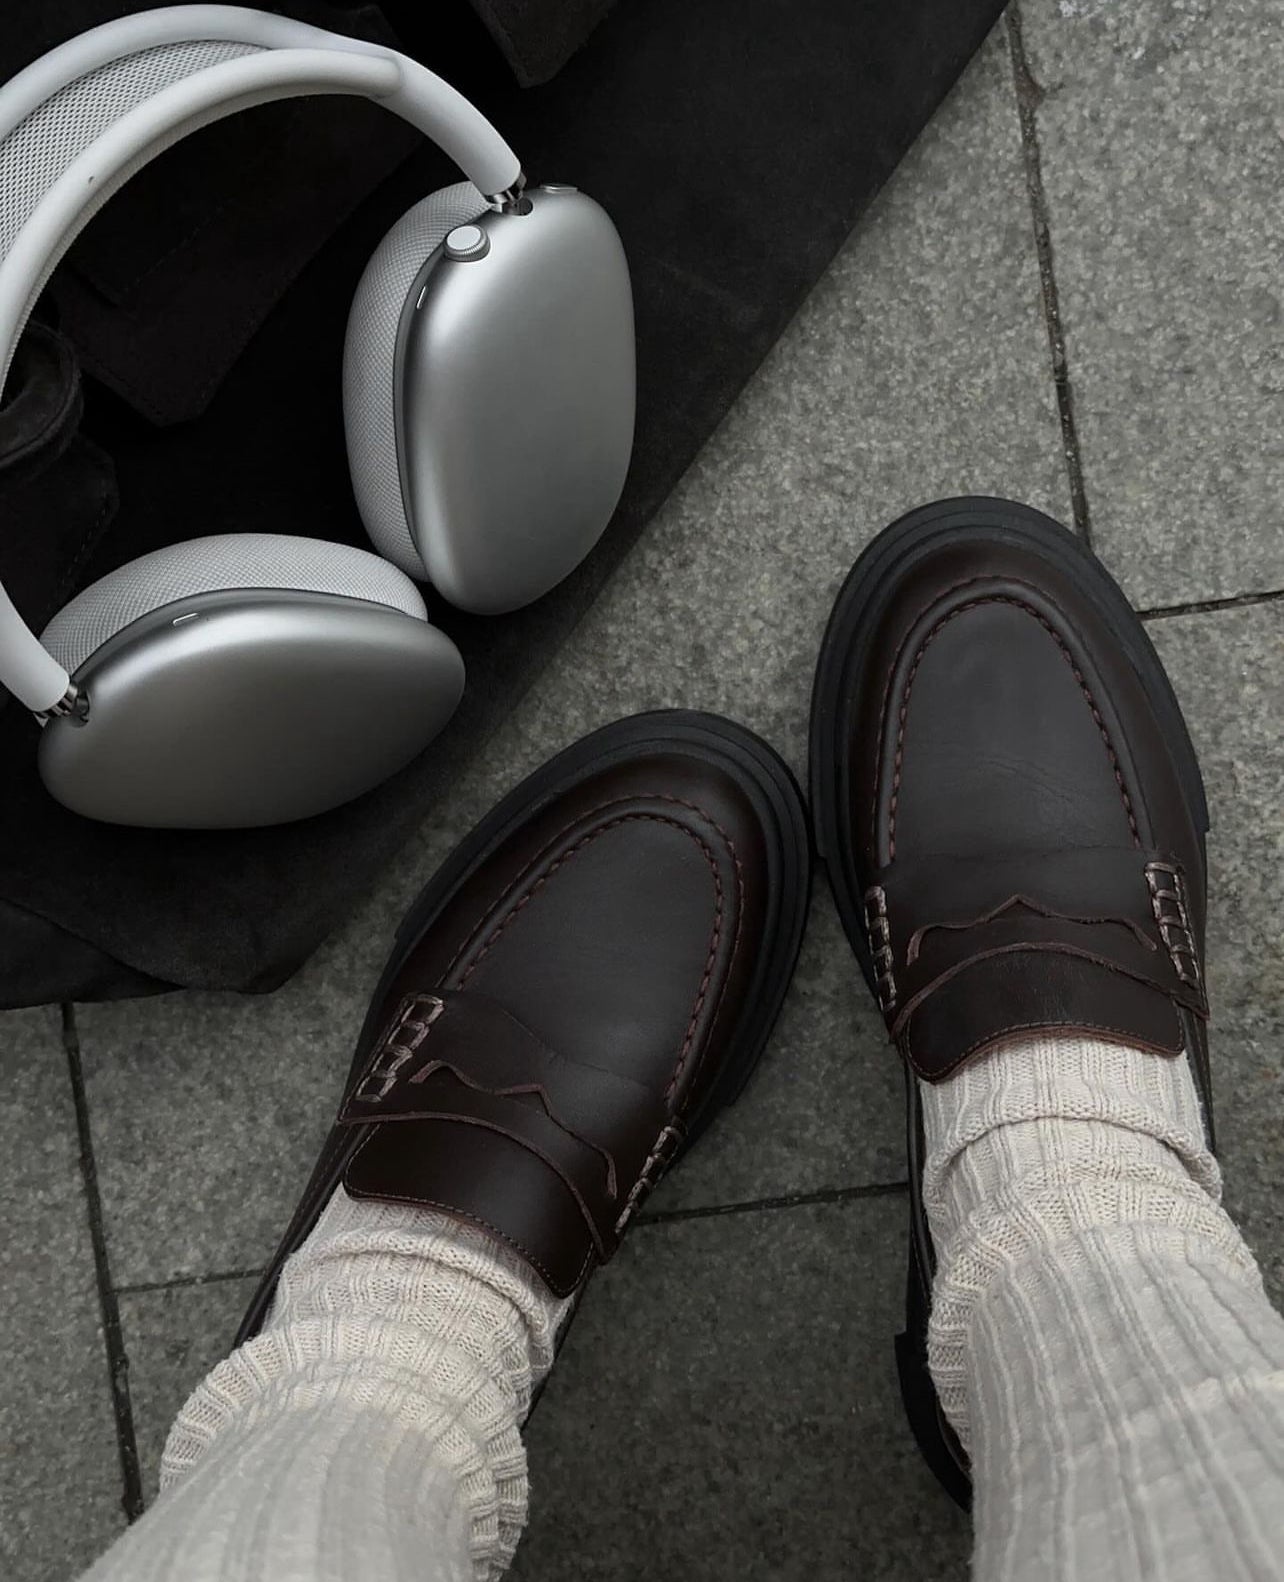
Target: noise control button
466	243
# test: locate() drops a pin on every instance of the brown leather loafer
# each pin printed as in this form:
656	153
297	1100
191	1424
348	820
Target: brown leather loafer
1011	814
585	983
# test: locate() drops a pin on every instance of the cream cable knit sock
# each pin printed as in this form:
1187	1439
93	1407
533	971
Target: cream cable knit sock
1100	1338
371	1430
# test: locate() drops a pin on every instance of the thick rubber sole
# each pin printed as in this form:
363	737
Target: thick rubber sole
771	786
768	783
851	625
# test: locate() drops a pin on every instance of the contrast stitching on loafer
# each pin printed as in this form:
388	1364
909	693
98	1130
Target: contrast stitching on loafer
551	843
730	844
954	587
1020	604
401	1049
1123	1034
489	943
1181	949
715	938
879	930
493	937
454	1118
663	1152
1018	948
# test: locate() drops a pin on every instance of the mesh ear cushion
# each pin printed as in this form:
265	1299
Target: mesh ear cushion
369	365
214	565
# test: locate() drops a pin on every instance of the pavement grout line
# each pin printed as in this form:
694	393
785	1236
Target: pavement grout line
1029	95
113	1337
876	1189
788	1200
180	1281
1233	601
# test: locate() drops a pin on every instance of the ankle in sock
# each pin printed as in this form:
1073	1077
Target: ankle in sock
1042	1140
409	1313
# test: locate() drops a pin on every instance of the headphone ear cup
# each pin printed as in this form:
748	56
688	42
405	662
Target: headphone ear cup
224	563
369	365
244	680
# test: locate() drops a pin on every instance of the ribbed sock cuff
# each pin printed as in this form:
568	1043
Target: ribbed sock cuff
1041	1140
408	1315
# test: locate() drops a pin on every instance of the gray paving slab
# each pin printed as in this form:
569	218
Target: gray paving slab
209	1111
725	1406
57	1434
1160	129
826	1105
173	1337
1228	668
917	368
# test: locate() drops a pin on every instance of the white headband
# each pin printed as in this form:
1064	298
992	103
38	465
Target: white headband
79	122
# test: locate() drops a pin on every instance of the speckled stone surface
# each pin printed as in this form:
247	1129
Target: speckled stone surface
726	1407
1228	669
826	1106
918	368
174	1337
670	1440
209	1111
1162	138
898	379
57	1439
232	1096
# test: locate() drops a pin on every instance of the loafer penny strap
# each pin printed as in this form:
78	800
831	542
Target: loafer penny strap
466	1109
968	951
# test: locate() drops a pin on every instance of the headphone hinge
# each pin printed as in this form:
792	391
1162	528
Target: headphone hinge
512	200
73	704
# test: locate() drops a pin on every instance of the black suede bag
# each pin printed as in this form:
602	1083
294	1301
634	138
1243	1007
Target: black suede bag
734	142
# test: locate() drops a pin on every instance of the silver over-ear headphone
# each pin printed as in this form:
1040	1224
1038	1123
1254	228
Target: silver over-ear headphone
488	389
